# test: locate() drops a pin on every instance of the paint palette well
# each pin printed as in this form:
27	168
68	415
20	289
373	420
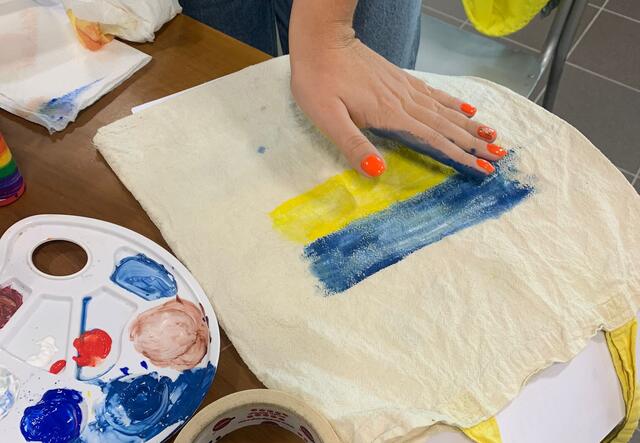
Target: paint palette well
123	350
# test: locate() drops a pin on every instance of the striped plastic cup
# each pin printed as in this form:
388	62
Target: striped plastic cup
11	182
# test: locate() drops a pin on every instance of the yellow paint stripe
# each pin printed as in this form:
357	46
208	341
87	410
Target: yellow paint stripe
348	196
5	158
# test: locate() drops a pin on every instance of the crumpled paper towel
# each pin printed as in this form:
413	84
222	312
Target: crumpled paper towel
46	75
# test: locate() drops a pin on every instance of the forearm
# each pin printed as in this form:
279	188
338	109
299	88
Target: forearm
320	23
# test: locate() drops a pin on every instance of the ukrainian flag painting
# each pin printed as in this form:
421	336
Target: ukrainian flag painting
352	227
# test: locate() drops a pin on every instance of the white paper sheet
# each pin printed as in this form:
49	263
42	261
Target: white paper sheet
46	75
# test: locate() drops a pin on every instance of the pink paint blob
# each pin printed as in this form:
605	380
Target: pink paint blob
93	346
174	334
10	302
57	366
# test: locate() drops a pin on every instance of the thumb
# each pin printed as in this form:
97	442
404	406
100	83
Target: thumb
356	148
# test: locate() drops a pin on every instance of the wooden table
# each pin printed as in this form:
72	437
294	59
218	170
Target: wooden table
65	174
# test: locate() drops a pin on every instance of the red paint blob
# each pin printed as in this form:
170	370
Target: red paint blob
57	367
93	346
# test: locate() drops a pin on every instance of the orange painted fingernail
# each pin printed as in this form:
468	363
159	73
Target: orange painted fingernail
485	165
373	165
496	150
468	109
486	133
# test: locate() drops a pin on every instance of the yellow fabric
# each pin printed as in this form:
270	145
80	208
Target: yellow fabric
501	17
622	347
348	196
484	432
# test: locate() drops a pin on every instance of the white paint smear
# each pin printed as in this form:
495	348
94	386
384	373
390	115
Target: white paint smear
43	358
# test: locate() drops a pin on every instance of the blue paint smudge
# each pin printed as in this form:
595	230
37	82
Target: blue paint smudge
9	393
422	147
145	278
83	328
7	400
63	108
56	418
344	258
81	372
124	370
137	408
83	315
144	364
262	150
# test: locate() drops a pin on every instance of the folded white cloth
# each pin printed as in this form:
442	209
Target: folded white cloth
46	75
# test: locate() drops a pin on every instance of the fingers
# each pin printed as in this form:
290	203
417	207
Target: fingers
452	125
443	98
429	141
474	128
357	148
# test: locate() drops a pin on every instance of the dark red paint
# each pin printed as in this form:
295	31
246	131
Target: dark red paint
10	301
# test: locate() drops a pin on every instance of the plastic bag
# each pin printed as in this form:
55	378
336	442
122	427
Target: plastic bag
133	20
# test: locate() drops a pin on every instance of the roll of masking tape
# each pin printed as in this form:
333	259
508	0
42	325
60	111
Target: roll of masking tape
256	407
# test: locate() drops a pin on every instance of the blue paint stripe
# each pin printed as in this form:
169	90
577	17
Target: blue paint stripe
346	257
83	325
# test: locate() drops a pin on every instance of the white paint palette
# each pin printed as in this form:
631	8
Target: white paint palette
122	351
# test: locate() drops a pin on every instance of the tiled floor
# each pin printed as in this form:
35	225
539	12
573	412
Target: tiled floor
600	89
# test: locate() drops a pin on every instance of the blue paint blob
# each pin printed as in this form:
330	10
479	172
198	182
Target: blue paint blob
262	150
346	257
144	364
139	407
56	418
422	147
124	370
145	278
63	108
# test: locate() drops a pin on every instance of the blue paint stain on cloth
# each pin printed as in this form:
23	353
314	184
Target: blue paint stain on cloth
56	418
145	278
419	145
346	257
137	408
65	107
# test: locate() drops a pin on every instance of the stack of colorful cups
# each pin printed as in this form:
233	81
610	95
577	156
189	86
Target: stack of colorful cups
11	182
